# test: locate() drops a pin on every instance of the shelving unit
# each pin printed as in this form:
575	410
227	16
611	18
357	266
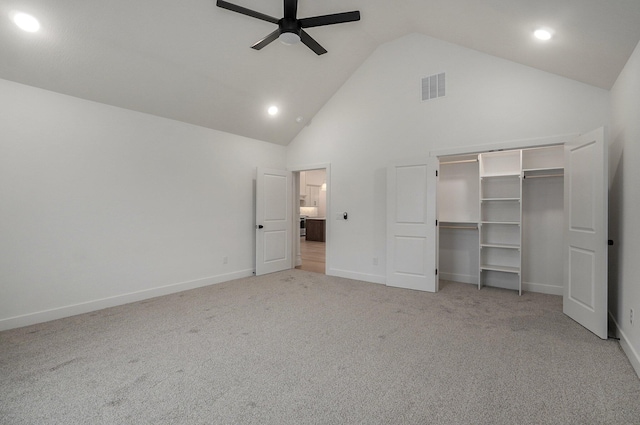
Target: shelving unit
501	217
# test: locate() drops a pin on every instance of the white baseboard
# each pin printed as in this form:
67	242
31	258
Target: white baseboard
458	277
373	278
632	354
542	288
89	306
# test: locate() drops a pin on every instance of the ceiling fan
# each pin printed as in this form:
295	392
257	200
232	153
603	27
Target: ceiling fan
290	28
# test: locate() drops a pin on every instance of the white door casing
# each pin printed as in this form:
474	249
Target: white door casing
585	233
411	230
273	221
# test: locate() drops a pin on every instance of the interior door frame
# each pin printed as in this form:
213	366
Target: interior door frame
295	208
507	145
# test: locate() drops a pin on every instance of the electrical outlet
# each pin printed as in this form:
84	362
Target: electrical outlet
225	259
375	261
631	316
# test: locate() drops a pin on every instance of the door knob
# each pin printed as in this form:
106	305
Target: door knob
260	226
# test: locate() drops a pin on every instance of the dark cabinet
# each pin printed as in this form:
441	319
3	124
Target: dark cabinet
315	230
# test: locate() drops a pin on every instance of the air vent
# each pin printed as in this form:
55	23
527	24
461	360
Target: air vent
433	86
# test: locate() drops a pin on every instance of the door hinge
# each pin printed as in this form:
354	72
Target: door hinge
436	173
436	222
436	272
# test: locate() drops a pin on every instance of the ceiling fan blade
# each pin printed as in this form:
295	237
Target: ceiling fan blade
336	18
239	9
268	39
311	43
290	9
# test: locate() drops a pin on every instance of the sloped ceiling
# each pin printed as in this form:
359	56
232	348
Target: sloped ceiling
190	60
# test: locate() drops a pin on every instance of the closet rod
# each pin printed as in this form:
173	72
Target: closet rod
459	162
543	176
459	227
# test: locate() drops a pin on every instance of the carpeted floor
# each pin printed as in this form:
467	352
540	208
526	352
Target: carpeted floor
301	348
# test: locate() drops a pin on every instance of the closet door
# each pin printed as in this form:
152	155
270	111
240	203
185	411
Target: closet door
585	250
411	225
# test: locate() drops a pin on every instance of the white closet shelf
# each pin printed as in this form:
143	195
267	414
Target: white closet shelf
501	222
500	245
485	176
461	225
470	222
506	269
500	199
543	169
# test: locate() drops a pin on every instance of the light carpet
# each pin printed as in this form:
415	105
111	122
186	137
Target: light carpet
301	348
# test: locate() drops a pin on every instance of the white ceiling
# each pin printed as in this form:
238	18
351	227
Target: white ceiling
190	60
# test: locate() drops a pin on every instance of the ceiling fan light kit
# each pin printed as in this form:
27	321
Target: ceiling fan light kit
289	38
290	28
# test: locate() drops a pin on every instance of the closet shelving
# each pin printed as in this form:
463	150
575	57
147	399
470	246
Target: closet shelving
458	225
458	193
498	212
542	162
500	215
458	217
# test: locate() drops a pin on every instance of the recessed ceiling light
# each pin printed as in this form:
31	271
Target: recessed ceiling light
273	110
26	22
542	34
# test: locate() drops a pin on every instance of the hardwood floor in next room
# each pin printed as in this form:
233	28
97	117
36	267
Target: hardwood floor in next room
313	256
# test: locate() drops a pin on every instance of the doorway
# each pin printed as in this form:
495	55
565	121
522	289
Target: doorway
312	212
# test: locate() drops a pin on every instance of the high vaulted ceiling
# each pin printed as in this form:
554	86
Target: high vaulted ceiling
190	61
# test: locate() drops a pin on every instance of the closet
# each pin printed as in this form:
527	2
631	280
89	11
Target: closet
500	219
530	217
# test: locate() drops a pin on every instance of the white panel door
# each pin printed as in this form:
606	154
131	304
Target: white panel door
585	250
433	232
273	221
410	228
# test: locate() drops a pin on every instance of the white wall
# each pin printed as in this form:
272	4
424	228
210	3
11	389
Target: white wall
101	205
624	204
378	117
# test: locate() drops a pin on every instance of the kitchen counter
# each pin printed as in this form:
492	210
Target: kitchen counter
316	229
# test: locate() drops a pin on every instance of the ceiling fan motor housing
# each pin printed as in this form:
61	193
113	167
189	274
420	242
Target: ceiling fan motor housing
289	25
289	31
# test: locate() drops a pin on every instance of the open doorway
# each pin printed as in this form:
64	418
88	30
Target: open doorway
312	200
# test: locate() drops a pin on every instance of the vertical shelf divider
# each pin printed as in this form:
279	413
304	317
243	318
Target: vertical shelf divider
500	226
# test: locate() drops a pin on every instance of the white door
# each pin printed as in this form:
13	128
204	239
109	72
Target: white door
585	210
433	232
411	229
273	221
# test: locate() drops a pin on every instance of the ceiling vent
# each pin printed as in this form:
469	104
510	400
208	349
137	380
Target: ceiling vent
433	86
